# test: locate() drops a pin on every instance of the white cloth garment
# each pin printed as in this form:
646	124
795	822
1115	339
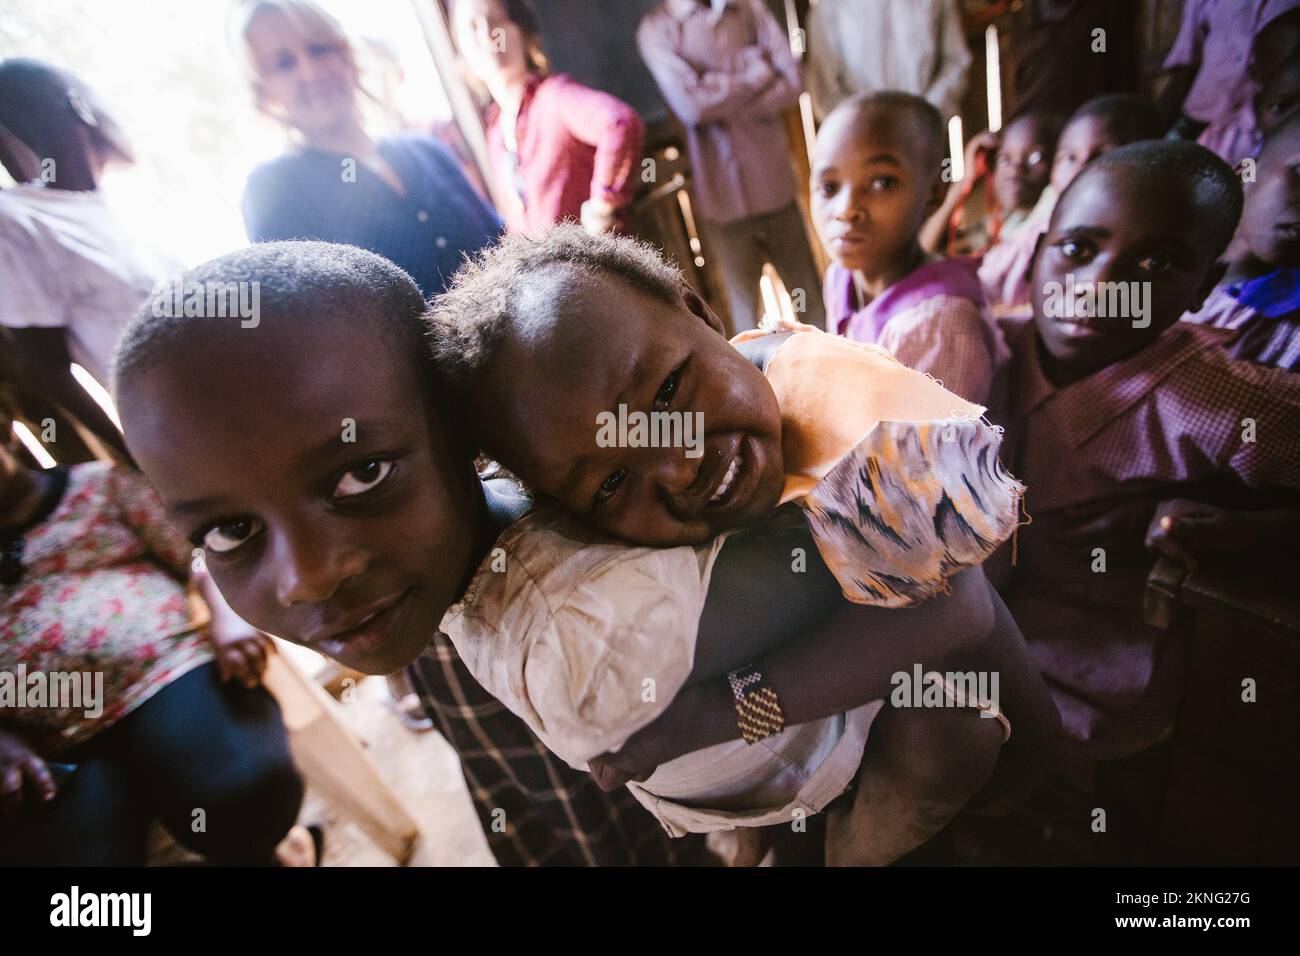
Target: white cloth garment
588	639
863	46
68	261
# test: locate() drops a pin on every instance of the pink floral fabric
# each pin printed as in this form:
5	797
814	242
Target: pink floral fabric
103	591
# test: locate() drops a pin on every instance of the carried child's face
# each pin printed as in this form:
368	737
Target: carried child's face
871	191
1023	164
324	493
305	75
1270	221
1128	248
1081	142
636	415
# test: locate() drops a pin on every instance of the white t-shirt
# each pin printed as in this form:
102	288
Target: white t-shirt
67	261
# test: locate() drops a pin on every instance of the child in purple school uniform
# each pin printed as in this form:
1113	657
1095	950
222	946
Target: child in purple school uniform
876	179
1259	298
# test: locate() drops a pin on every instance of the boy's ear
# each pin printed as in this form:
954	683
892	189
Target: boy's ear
1033	259
1213	276
698	307
938	193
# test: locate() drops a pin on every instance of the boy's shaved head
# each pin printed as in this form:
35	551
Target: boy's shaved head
1130	248
877	175
296	283
913	116
1166	164
307	451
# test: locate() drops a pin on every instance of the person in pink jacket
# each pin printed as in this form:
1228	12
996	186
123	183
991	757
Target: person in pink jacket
560	150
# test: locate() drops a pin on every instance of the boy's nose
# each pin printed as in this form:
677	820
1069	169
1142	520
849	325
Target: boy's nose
313	568
674	474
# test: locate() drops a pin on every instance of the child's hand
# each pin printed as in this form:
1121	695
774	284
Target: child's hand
241	653
18	761
985	141
1190	532
635	760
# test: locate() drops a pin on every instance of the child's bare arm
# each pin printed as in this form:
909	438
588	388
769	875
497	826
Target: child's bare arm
768	588
850	660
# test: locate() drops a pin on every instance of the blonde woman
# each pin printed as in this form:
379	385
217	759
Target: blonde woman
403	196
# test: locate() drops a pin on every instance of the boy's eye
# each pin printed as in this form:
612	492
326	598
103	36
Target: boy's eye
609	487
1073	249
363	478
1155	265
668	389
319	50
883	184
284	62
229	535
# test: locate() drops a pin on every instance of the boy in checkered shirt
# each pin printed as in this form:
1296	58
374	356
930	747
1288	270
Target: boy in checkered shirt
1134	433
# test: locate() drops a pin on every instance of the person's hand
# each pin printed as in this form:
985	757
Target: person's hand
241	653
597	216
19	762
986	141
1190	532
636	760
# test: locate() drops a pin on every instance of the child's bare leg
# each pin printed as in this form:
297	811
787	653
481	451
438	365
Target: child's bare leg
920	768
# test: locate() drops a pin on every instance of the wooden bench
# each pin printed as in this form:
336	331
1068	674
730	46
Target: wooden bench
1234	781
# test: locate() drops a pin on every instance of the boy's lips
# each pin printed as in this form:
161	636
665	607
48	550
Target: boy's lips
732	485
374	624
1088	327
848	240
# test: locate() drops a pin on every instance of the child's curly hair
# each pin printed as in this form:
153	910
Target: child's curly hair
488	296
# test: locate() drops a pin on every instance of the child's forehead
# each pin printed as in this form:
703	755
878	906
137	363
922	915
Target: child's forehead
1027	129
870	133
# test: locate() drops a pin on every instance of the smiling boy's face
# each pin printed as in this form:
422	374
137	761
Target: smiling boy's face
1109	229
1270	221
605	344
872	187
354	548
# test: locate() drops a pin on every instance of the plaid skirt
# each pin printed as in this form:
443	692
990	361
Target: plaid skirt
535	809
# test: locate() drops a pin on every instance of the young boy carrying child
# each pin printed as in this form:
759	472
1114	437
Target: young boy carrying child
1259	298
898	478
877	176
314	460
1134	431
